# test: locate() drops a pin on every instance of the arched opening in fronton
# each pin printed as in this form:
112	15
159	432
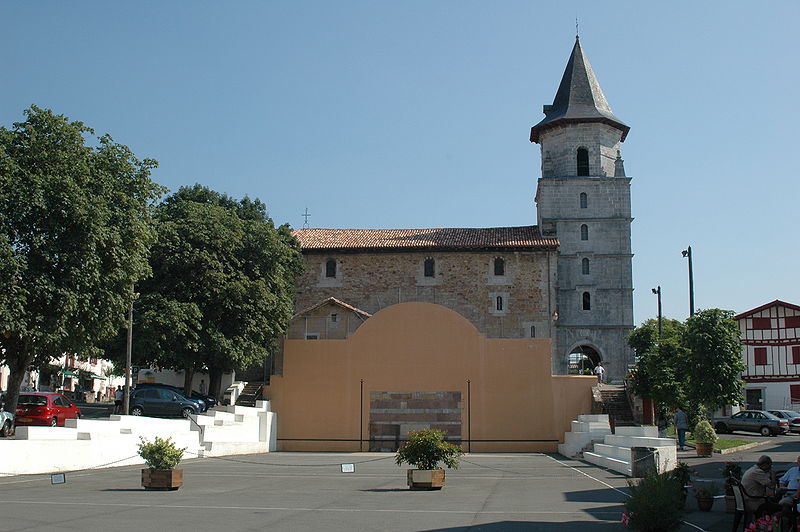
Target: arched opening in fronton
582	360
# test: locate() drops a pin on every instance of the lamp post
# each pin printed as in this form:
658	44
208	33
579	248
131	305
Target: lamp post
687	253
657	291
126	397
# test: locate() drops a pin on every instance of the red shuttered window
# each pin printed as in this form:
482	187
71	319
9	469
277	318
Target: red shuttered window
796	354
794	393
761	323
760	354
793	321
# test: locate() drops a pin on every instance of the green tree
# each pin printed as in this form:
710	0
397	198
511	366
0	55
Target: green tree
222	287
75	228
659	371
714	363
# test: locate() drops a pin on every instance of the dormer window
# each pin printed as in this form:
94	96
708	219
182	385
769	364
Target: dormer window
499	266
429	267
584	200
583	162
330	268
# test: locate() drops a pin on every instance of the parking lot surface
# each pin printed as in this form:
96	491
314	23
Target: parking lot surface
305	491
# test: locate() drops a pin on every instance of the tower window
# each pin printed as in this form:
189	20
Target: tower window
584	200
330	268
499	266
499	303
429	267
587	301
584	232
585	266
583	162
533	331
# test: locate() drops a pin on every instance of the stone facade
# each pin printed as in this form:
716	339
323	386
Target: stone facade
463	281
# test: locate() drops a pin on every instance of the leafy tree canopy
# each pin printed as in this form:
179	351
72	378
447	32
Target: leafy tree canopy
75	228
222	287
695	365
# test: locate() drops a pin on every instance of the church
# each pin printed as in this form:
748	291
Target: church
466	329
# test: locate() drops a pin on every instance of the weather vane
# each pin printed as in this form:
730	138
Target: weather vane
305	215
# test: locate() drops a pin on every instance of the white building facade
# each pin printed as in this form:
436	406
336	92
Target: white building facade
770	336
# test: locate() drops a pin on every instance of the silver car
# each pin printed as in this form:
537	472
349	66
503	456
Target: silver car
789	415
752	421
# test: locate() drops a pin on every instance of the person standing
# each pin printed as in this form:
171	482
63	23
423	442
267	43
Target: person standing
681	426
661	423
600	371
118	399
202	387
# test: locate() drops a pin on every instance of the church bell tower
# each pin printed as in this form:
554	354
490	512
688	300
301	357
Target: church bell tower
583	198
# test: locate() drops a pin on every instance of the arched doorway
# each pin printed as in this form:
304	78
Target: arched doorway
582	360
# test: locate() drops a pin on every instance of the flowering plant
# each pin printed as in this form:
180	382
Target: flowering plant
767	523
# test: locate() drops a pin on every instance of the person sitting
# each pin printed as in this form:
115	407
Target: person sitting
790	487
756	481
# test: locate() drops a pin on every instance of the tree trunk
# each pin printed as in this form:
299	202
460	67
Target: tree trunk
188	377
18	362
214	382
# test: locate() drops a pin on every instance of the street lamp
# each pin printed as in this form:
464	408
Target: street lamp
126	398
687	253
657	291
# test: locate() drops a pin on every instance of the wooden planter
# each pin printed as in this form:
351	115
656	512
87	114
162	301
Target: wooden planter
425	479
704	449
162	479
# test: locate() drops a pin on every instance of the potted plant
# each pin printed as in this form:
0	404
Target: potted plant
704	437
654	503
682	475
705	496
732	470
425	449
161	457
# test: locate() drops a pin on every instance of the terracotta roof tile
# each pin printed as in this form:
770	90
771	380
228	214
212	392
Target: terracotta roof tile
525	237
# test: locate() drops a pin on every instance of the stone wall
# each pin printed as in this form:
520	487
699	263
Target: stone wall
463	281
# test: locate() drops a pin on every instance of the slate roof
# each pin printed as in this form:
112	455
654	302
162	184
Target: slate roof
355	240
579	98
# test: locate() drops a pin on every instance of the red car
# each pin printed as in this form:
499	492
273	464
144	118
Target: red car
45	408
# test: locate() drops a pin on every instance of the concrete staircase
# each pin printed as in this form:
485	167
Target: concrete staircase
588	429
613	400
250	394
615	451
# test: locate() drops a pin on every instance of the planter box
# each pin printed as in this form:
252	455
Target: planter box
425	479
162	479
704	449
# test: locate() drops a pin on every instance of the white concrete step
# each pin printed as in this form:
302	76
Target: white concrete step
593	417
648	431
608	462
589	426
27	432
638	441
614	451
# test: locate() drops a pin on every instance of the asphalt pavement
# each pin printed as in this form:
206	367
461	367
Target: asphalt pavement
309	491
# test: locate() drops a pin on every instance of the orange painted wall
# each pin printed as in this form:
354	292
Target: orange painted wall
511	399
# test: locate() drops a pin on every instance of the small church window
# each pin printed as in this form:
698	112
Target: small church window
583	162
584	200
499	302
429	267
587	301
499	266
533	331
584	232
330	268
585	266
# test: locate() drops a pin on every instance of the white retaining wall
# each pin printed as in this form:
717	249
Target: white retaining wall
94	443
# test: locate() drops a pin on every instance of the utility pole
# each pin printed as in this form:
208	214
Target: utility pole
126	397
657	291
687	253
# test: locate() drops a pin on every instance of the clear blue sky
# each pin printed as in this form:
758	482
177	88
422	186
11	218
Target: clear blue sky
417	113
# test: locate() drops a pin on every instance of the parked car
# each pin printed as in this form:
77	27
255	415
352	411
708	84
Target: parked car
201	405
45	408
789	415
156	401
210	402
759	421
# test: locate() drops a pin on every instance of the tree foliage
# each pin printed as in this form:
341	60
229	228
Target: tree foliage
75	228
222	287
695	365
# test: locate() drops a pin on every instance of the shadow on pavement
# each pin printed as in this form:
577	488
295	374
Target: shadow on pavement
514	526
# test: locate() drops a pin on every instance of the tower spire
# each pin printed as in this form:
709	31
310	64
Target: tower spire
579	98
